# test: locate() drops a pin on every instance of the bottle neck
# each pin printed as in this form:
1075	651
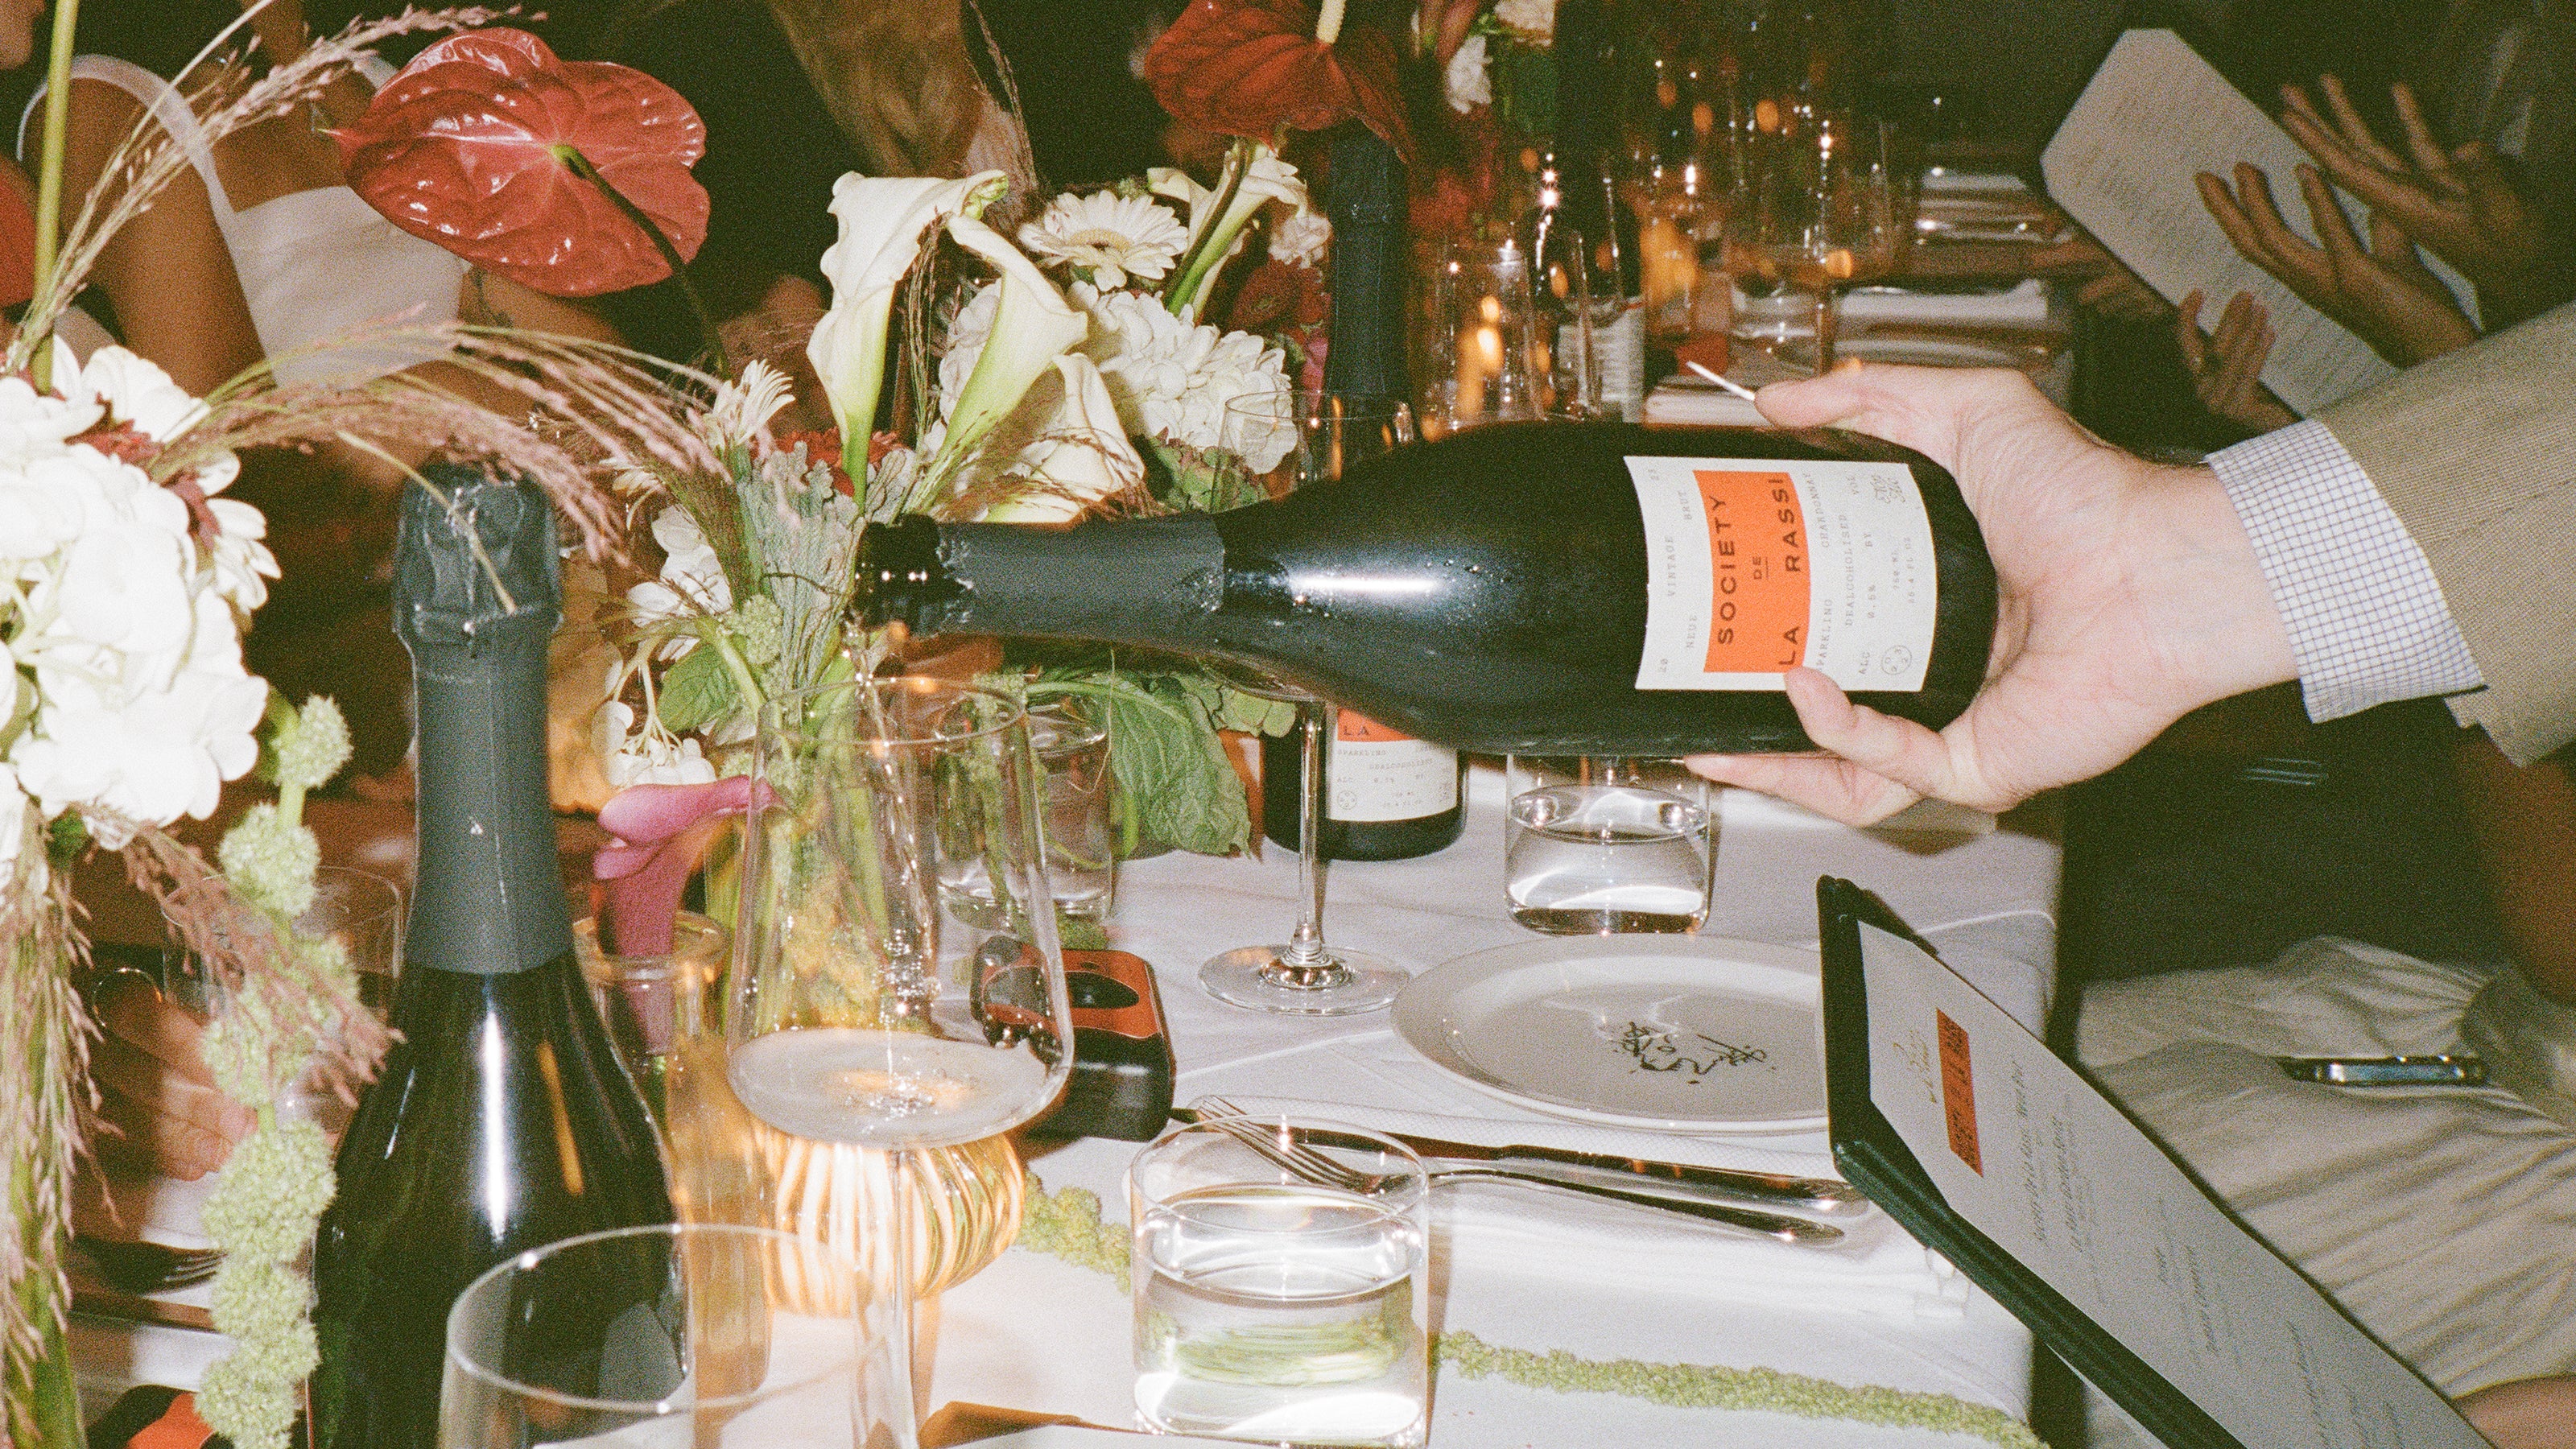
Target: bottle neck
1142	581
488	899
1369	268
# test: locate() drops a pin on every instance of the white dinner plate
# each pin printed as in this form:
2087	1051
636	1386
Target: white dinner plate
1665	1033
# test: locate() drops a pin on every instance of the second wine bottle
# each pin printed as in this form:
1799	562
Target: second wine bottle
501	1120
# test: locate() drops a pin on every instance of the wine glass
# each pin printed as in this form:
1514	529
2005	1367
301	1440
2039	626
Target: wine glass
1486	321
1818	213
1303	976
705	1334
860	1011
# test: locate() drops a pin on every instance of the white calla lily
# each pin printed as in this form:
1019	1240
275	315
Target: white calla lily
1032	325
882	221
1252	181
1081	454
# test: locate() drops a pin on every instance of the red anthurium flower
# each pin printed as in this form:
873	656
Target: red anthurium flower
660	832
477	145
1250	67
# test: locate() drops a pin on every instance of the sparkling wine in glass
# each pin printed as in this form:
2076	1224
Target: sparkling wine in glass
861	1011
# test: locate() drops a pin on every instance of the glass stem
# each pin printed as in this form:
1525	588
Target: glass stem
885	1323
1825	324
1306	945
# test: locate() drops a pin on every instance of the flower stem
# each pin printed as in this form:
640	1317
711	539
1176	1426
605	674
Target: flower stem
1328	25
49	171
580	165
1209	247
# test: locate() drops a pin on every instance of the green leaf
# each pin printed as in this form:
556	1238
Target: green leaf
696	691
1197	480
1080	933
1173	770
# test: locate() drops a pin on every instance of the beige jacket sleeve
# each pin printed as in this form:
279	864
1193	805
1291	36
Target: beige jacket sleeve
2476	452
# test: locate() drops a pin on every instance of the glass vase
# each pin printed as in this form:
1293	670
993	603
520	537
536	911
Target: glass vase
664	1017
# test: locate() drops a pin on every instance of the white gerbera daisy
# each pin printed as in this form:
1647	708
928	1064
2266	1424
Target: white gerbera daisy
1114	237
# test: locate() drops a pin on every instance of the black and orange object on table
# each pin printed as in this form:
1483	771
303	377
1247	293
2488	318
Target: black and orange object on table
1121	1084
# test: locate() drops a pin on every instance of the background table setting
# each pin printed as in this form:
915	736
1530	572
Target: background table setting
1527	1271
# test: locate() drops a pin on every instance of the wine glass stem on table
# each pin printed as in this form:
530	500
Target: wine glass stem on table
1306	963
1827	323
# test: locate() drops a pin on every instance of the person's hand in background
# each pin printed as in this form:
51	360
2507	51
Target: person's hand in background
2103	283
2129	596
2384	292
2227	369
2526	1413
157	1101
1443	24
2460	203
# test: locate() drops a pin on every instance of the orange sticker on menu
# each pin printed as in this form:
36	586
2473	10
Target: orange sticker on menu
1354	728
1958	1092
1757	540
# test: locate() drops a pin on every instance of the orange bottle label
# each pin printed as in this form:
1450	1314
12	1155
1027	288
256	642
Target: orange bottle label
1758	577
1754	565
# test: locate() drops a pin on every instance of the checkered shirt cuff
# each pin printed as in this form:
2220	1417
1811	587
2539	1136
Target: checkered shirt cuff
2367	620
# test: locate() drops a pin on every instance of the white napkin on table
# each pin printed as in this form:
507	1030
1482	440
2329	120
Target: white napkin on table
2023	304
1484	1228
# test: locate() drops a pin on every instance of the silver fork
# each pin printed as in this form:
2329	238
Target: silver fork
1283	1151
142	1268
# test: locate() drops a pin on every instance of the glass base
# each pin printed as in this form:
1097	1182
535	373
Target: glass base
1253	977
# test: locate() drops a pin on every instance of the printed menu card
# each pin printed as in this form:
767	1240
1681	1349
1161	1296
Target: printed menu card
1992	1150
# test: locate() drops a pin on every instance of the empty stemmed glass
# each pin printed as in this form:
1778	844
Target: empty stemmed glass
1303	975
1818	213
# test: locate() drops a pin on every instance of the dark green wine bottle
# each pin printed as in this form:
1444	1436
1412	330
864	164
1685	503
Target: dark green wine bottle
1538	588
501	1120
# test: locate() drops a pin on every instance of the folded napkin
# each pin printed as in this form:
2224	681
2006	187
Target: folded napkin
1942	179
2024	304
1484	1229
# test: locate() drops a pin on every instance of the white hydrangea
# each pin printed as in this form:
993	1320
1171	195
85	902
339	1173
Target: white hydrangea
1301	240
692	581
1465	81
1529	19
99	744
1171	377
120	605
39	425
1110	236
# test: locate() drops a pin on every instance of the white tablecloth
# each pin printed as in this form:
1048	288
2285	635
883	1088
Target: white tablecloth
1035	1333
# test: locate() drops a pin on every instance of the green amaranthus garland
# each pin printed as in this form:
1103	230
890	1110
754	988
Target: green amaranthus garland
1068	1225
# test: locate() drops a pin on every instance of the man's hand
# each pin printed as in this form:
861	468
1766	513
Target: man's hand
2384	293
2130	596
2460	203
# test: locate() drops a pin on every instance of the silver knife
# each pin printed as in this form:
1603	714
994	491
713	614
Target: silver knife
1823	1196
